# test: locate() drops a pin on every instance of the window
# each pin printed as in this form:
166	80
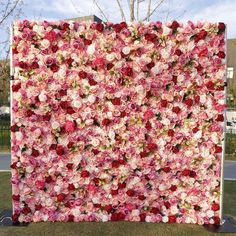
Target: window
230	73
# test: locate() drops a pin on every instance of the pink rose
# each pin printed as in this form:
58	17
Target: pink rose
69	126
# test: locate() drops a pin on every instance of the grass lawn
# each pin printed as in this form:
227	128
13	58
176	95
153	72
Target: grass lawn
108	228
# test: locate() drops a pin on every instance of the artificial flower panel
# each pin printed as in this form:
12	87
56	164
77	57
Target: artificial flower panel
117	122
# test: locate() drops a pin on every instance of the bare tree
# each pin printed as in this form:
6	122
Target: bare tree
132	18
121	10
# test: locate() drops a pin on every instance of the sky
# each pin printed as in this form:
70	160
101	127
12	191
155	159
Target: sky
169	10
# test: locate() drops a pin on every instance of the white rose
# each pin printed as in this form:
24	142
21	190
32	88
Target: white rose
166	30
203	98
55	125
48	202
210	213
198	135
57	188
104	218
91	98
188	153
110	57
18	135
45	43
95	142
91	49
42	97
126	50
162	187
165	219
76	104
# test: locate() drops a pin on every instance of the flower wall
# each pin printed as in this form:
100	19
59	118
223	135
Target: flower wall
117	121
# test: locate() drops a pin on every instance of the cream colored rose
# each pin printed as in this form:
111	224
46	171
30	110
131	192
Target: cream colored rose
45	43
91	49
55	125
126	50
42	97
110	57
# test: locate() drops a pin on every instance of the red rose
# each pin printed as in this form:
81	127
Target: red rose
174	25
220	118
26	210
173	188
115	164
148	125
172	219
15	217
54	48
53	147
186	172
114	216
221	26
87	42
35	153
106	122
16	197
23	65
197	98
150	65
48	179
99	27
197	208
46	117
195	129
54	67
130	192
142	216
38	207
95	151
96	181
69	166
202	34
116	101
61	197
14	165
155	210
60	150
109	66
71	218
70	144
221	54
175	149
51	36
215	207
69	61
114	192
71	187
108	208
167	204
171	132
178	52
141	197
34	65
152	146
166	169
121	185
216	220
121	216
83	74
70	110
127	71
143	154
119	27
164	103
85	174
188	102
210	85
176	110
174	79
151	37
192	174
123	114
218	149
16	87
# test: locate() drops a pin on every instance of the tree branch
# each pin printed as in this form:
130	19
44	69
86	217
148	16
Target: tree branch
6	14
149	9
121	10
100	9
155	8
132	18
